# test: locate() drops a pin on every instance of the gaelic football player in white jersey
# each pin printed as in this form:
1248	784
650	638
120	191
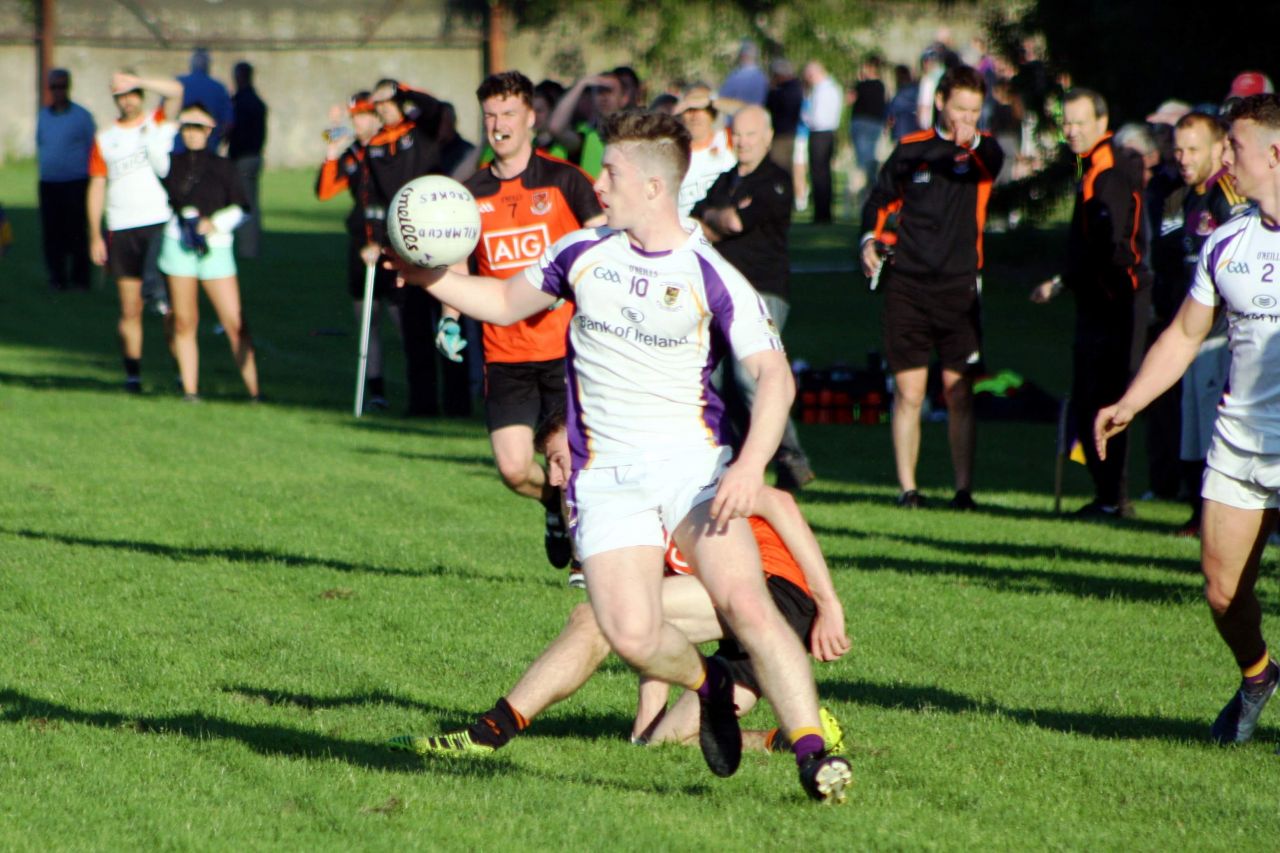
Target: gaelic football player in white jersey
1239	273
655	309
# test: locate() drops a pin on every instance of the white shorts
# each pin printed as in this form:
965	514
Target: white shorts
640	504
1239	479
1202	388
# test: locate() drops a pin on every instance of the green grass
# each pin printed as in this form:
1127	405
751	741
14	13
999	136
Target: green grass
213	615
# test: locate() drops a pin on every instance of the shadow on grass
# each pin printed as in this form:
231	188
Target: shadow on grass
254	556
424	427
1096	725
265	739
458	459
56	382
1028	580
1188	566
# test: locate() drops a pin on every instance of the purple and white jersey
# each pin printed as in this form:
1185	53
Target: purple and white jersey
647	332
1239	268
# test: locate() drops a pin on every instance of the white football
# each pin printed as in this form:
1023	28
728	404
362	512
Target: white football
433	221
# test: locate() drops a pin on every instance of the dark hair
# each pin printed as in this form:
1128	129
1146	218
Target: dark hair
629	80
1263	109
506	84
387	81
1081	94
550	91
1210	123
901	76
555	420
961	77
661	135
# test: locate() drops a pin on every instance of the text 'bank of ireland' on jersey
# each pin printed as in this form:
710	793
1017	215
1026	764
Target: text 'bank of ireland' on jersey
648	330
1239	268
520	218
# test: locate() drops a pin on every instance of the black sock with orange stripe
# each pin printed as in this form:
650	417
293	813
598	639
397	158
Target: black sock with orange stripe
498	725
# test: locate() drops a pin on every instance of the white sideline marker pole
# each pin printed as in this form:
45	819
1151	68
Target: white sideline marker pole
365	321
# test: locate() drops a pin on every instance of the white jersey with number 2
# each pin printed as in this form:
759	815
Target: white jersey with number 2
647	331
1239	268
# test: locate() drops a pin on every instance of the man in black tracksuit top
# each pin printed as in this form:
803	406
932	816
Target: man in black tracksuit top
406	148
935	184
747	214
1104	272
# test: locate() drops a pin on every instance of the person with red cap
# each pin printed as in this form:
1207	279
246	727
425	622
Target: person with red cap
1249	83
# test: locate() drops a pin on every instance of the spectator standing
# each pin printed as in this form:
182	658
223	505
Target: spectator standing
458	156
747	215
867	118
747	83
575	120
938	181
1102	271
64	138
345	168
245	141
123	187
711	148
199	88
902	109
783	102
821	118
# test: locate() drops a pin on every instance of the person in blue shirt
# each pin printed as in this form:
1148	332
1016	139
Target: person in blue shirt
64	136
199	88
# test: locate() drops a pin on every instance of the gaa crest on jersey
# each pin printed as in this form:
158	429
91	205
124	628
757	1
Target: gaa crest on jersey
962	163
1205	224
772	327
541	203
671	296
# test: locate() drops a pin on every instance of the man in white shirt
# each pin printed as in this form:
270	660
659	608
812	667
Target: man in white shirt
822	116
656	308
1237	273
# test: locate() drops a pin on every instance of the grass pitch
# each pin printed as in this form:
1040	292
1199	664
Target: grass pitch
214	615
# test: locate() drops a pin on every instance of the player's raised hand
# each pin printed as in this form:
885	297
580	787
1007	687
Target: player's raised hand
1110	421
736	496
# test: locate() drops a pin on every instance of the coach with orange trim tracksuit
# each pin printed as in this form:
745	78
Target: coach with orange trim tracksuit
1104	271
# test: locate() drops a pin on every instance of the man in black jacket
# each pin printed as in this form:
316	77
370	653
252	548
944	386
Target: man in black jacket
935	184
1104	272
746	213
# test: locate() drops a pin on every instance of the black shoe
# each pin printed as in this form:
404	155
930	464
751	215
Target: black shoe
911	499
825	776
1096	510
719	734
556	540
963	501
793	472
133	385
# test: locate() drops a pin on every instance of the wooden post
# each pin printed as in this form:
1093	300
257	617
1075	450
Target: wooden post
496	38
46	26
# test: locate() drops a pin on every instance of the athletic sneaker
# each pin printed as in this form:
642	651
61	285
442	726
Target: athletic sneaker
556	540
825	775
1237	721
963	501
449	743
719	734
911	499
1096	510
376	403
133	385
832	731
577	580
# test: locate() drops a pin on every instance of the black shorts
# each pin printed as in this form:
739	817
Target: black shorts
523	393
131	251
384	280
797	608
923	314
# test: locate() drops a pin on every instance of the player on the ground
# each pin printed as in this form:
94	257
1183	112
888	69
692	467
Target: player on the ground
937	183
344	167
1236	273
1200	141
527	202
656	308
123	186
798	582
